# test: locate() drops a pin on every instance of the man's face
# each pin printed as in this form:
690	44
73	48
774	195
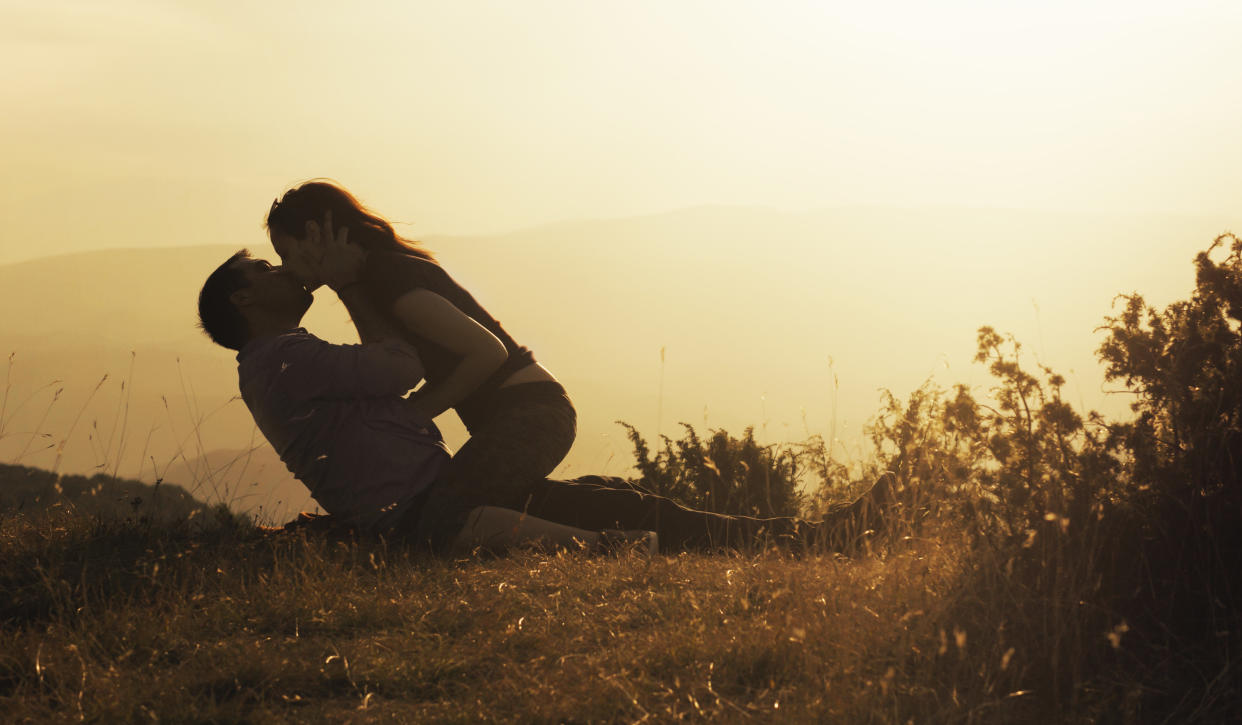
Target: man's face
272	288
296	257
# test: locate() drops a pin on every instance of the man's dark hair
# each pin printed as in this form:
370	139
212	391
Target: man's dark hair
217	314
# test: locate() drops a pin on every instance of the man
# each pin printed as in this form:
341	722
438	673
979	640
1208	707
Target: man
337	417
334	413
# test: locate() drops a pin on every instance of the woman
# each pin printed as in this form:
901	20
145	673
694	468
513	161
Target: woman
520	420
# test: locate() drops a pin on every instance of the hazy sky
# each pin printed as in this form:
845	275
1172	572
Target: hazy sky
134	122
171	122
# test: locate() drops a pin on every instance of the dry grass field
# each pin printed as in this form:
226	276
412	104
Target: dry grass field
126	623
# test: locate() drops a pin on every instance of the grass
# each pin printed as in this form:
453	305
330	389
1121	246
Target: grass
123	621
213	620
120	622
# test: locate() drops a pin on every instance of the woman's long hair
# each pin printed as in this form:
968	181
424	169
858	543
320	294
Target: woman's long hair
311	200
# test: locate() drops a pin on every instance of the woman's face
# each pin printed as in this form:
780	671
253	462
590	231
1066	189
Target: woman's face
296	257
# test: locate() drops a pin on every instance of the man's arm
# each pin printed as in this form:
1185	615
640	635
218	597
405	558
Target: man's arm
313	368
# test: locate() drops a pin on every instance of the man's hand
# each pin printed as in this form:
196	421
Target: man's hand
339	263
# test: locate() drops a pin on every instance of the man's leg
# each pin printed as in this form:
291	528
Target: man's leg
598	502
587	503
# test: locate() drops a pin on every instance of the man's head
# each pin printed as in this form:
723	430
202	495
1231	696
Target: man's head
246	297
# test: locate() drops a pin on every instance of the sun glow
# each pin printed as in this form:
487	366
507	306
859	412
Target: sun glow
782	182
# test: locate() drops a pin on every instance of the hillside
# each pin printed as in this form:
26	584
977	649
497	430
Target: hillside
32	490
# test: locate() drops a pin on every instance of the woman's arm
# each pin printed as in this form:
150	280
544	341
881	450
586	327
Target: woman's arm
434	318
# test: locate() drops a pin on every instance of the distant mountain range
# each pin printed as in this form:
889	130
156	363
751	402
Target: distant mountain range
720	317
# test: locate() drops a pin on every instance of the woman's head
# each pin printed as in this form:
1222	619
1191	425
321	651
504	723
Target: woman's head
290	214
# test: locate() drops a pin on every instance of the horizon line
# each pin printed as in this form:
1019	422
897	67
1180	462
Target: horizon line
673	211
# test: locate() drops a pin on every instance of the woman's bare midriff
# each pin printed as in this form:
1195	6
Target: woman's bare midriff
533	373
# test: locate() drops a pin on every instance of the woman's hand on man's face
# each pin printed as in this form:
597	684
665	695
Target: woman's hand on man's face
338	263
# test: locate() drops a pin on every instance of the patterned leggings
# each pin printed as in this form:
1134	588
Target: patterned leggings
520	444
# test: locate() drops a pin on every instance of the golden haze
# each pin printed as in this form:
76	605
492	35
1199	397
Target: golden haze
864	183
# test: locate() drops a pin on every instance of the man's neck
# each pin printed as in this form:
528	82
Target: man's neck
271	327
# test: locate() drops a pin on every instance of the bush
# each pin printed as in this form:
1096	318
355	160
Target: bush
723	474
1008	467
1184	366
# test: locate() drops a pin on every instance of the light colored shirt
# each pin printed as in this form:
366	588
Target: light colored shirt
337	417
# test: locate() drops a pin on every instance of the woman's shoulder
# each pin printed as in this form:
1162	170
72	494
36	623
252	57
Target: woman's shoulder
387	257
386	265
392	274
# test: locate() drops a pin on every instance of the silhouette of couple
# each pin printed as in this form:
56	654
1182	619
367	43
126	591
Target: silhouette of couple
343	419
